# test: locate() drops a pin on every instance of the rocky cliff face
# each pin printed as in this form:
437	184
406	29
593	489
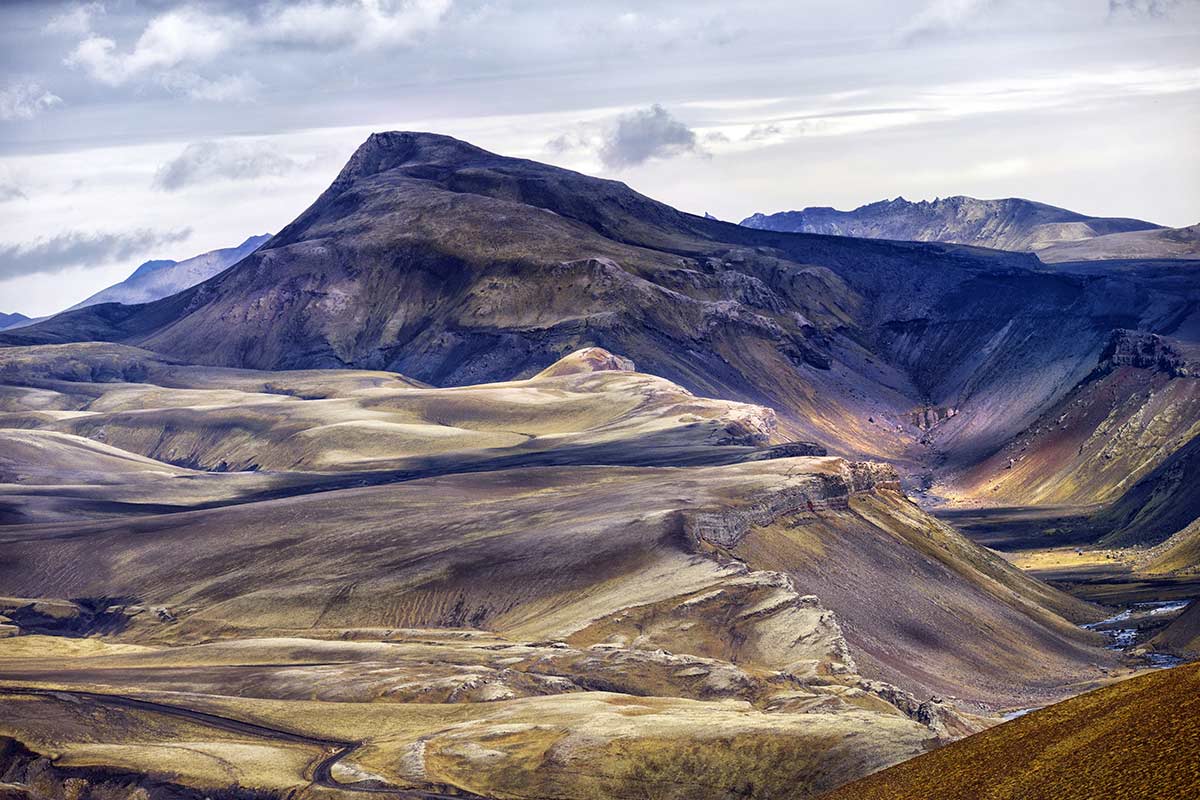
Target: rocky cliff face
825	491
1147	351
1122	434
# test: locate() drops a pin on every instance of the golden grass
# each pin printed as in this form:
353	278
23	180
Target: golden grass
54	648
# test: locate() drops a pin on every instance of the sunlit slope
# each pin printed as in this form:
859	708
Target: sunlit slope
1150	244
1136	739
1139	406
592	744
540	553
338	421
590	582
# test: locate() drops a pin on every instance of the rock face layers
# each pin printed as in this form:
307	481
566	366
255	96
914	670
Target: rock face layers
1146	351
726	528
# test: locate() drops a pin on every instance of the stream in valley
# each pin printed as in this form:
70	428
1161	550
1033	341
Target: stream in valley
1122	629
1122	632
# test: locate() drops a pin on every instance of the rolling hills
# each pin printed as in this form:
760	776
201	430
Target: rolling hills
589	580
488	478
1148	244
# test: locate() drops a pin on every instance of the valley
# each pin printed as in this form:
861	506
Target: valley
485	478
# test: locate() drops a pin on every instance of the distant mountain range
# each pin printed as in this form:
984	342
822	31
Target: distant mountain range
8	320
1056	234
155	280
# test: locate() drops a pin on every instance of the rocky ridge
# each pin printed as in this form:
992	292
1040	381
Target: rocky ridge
1006	224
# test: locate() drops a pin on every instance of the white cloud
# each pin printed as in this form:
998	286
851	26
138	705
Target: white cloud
185	35
1141	8
226	88
80	249
25	100
202	162
366	24
641	135
11	191
174	44
943	16
75	21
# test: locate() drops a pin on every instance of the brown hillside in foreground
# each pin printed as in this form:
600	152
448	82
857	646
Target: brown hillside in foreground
1137	739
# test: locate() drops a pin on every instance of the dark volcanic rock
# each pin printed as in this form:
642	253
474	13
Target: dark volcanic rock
1145	351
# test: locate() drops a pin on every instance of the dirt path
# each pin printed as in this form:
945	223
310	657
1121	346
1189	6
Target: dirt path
321	770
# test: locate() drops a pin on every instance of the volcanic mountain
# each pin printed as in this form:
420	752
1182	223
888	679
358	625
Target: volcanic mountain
453	265
1007	224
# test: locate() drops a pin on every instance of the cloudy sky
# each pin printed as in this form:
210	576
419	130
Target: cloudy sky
137	130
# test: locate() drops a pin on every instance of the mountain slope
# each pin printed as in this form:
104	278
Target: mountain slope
590	582
1136	739
1007	224
442	261
1159	243
1182	636
157	279
1139	406
8	320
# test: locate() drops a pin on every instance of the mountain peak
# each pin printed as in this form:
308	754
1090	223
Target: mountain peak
152	266
390	149
254	241
11	320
